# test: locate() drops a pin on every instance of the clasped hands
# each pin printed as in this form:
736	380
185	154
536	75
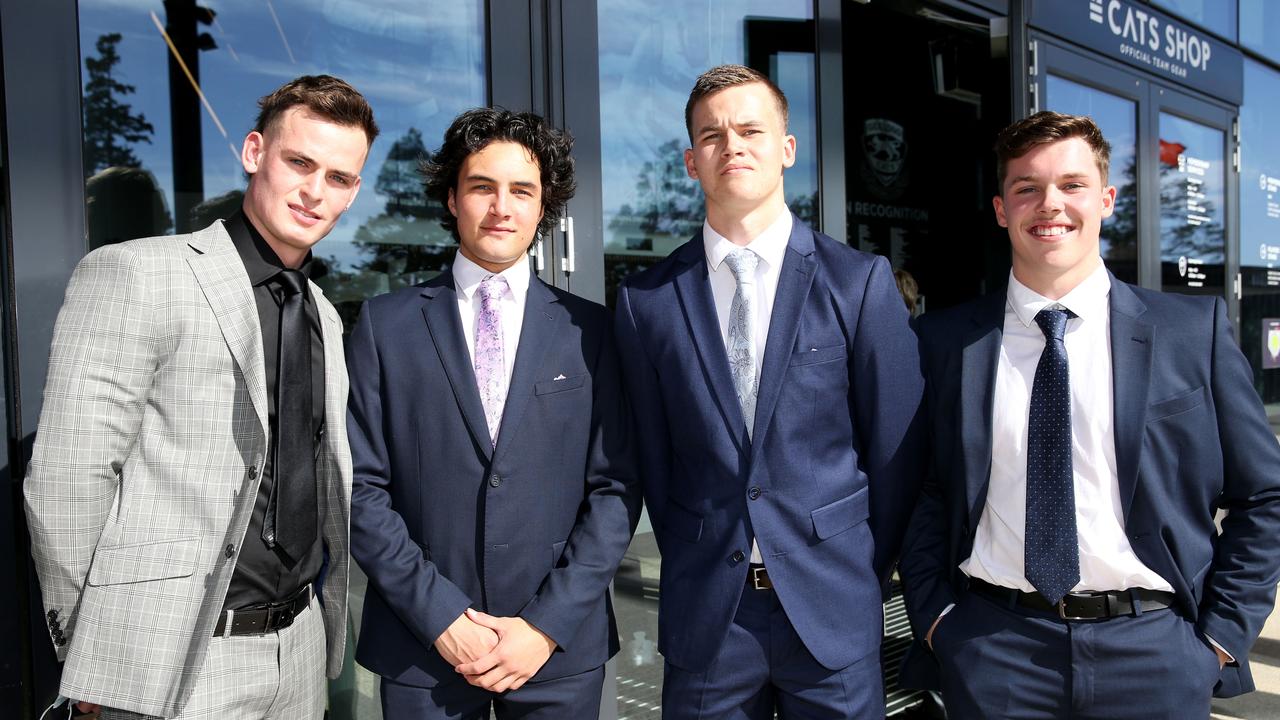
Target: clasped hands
494	653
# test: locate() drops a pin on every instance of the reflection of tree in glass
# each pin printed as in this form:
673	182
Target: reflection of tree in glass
109	124
668	201
805	207
1179	237
404	244
1120	232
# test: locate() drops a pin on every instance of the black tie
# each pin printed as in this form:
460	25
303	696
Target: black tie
1052	561
291	514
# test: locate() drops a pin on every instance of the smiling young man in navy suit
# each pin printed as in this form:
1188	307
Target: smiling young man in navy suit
494	493
775	382
1063	561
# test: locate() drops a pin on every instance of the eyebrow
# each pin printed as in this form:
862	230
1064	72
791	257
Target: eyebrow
1064	176
311	161
744	123
486	178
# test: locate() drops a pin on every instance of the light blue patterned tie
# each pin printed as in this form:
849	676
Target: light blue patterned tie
742	323
1052	551
489	365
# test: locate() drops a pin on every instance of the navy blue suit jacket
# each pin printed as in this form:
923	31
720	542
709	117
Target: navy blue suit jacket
1190	437
442	521
827	482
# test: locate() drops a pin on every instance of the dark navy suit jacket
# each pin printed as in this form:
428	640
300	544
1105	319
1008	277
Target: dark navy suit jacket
442	521
827	482
1190	437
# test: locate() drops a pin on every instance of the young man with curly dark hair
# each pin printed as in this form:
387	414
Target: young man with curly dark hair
494	494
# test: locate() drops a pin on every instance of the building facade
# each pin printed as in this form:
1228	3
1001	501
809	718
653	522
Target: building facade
123	118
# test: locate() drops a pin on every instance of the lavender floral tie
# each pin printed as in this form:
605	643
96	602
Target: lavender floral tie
489	365
742	323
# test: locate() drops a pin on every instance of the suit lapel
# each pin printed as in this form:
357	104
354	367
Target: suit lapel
335	399
977	395
1131	355
225	283
537	331
794	281
694	290
445	326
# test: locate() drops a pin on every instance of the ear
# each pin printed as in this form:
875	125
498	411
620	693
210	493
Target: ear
252	151
998	203
355	192
688	163
788	151
453	208
1108	200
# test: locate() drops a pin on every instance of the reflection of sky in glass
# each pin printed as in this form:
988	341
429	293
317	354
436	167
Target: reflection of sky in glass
1116	117
1260	28
419	64
650	55
1260	168
1191	212
1216	15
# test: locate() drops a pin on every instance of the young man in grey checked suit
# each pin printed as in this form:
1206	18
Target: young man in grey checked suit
191	471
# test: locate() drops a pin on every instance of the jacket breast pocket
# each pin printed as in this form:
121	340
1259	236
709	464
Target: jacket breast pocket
813	356
142	562
559	385
1176	405
834	518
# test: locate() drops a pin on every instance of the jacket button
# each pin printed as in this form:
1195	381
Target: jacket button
230	552
737	557
494	481
60	641
253	473
754	493
53	615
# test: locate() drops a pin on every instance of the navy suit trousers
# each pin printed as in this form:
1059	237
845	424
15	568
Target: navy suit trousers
1011	662
575	697
763	666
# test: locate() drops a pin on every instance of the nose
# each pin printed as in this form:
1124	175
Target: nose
1050	201
313	188
499	205
733	144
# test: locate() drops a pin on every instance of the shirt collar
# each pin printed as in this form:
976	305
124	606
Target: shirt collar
467	276
770	245
1087	300
260	261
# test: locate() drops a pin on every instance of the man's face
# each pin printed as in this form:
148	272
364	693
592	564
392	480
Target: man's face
740	148
498	203
1053	202
305	172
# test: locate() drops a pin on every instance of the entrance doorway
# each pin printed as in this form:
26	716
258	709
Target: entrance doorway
926	90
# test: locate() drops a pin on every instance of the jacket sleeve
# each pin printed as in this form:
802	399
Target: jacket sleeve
608	513
425	601
1241	588
886	384
101	364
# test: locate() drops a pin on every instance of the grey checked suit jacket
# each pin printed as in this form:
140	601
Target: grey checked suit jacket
150	446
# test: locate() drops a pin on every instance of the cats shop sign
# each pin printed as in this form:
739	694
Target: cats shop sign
1144	37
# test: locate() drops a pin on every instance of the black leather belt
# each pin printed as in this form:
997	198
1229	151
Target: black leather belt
1099	605
261	620
758	578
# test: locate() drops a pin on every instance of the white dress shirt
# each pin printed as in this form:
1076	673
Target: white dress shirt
467	277
1107	561
771	246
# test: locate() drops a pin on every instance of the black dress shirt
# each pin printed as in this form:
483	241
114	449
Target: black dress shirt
266	574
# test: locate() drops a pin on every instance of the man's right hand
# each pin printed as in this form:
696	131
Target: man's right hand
465	641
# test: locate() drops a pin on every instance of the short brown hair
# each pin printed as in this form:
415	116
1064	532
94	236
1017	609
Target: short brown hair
324	95
1047	127
723	77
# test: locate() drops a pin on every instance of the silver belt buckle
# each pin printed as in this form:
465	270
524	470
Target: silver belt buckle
1062	610
756	574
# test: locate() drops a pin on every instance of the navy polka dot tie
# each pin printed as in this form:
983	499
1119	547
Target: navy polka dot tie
1052	550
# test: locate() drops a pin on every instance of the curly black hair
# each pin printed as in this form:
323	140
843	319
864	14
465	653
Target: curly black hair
473	130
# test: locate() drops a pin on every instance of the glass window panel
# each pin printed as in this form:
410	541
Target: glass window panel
1260	28
1219	16
650	55
1192	206
419	64
1260	229
1117	117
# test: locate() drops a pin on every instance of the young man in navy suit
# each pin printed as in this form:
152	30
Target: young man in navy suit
775	382
1063	561
493	495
